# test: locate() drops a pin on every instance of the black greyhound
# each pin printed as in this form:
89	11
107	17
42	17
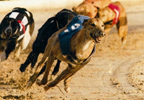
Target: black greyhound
52	25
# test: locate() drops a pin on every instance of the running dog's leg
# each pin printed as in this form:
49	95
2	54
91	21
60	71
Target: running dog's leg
17	52
66	84
56	68
69	71
39	66
67	81
47	70
122	28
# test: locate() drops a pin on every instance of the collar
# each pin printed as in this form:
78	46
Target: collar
116	9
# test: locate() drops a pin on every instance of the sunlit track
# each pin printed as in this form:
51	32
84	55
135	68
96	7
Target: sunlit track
120	78
115	72
114	79
109	81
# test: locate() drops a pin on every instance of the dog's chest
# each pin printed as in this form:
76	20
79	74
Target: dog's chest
84	50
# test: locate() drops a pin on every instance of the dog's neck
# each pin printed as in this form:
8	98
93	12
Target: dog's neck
82	44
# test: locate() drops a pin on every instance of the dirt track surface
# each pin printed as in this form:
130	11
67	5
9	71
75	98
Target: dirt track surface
115	72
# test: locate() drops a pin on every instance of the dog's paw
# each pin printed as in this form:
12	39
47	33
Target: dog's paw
29	84
17	59
47	87
22	68
67	89
38	82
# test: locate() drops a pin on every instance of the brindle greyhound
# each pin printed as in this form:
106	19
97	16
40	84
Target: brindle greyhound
52	25
82	45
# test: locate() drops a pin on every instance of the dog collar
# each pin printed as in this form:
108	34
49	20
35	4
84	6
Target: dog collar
116	9
22	25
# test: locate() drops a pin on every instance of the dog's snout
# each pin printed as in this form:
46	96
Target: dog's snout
101	33
8	31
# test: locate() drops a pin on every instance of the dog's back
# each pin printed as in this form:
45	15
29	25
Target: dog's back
52	25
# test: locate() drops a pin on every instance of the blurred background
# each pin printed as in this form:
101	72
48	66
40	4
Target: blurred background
49	4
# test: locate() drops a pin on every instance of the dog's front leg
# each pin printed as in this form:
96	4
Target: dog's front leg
17	52
66	74
47	70
122	28
3	56
68	79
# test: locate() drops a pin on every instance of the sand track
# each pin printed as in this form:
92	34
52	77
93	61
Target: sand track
115	72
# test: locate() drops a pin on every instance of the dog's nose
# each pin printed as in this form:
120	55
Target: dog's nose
101	33
8	31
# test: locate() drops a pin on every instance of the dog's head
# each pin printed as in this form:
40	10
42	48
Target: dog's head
94	28
8	28
86	9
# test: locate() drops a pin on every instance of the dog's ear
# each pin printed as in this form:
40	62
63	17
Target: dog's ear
97	15
97	8
85	21
74	9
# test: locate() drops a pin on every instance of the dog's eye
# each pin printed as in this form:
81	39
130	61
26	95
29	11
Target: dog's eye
93	24
102	25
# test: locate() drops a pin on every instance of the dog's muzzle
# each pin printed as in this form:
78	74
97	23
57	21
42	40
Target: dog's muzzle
98	35
8	32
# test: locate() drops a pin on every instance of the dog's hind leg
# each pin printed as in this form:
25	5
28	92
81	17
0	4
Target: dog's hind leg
56	68
47	70
32	58
55	71
39	66
42	70
35	75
